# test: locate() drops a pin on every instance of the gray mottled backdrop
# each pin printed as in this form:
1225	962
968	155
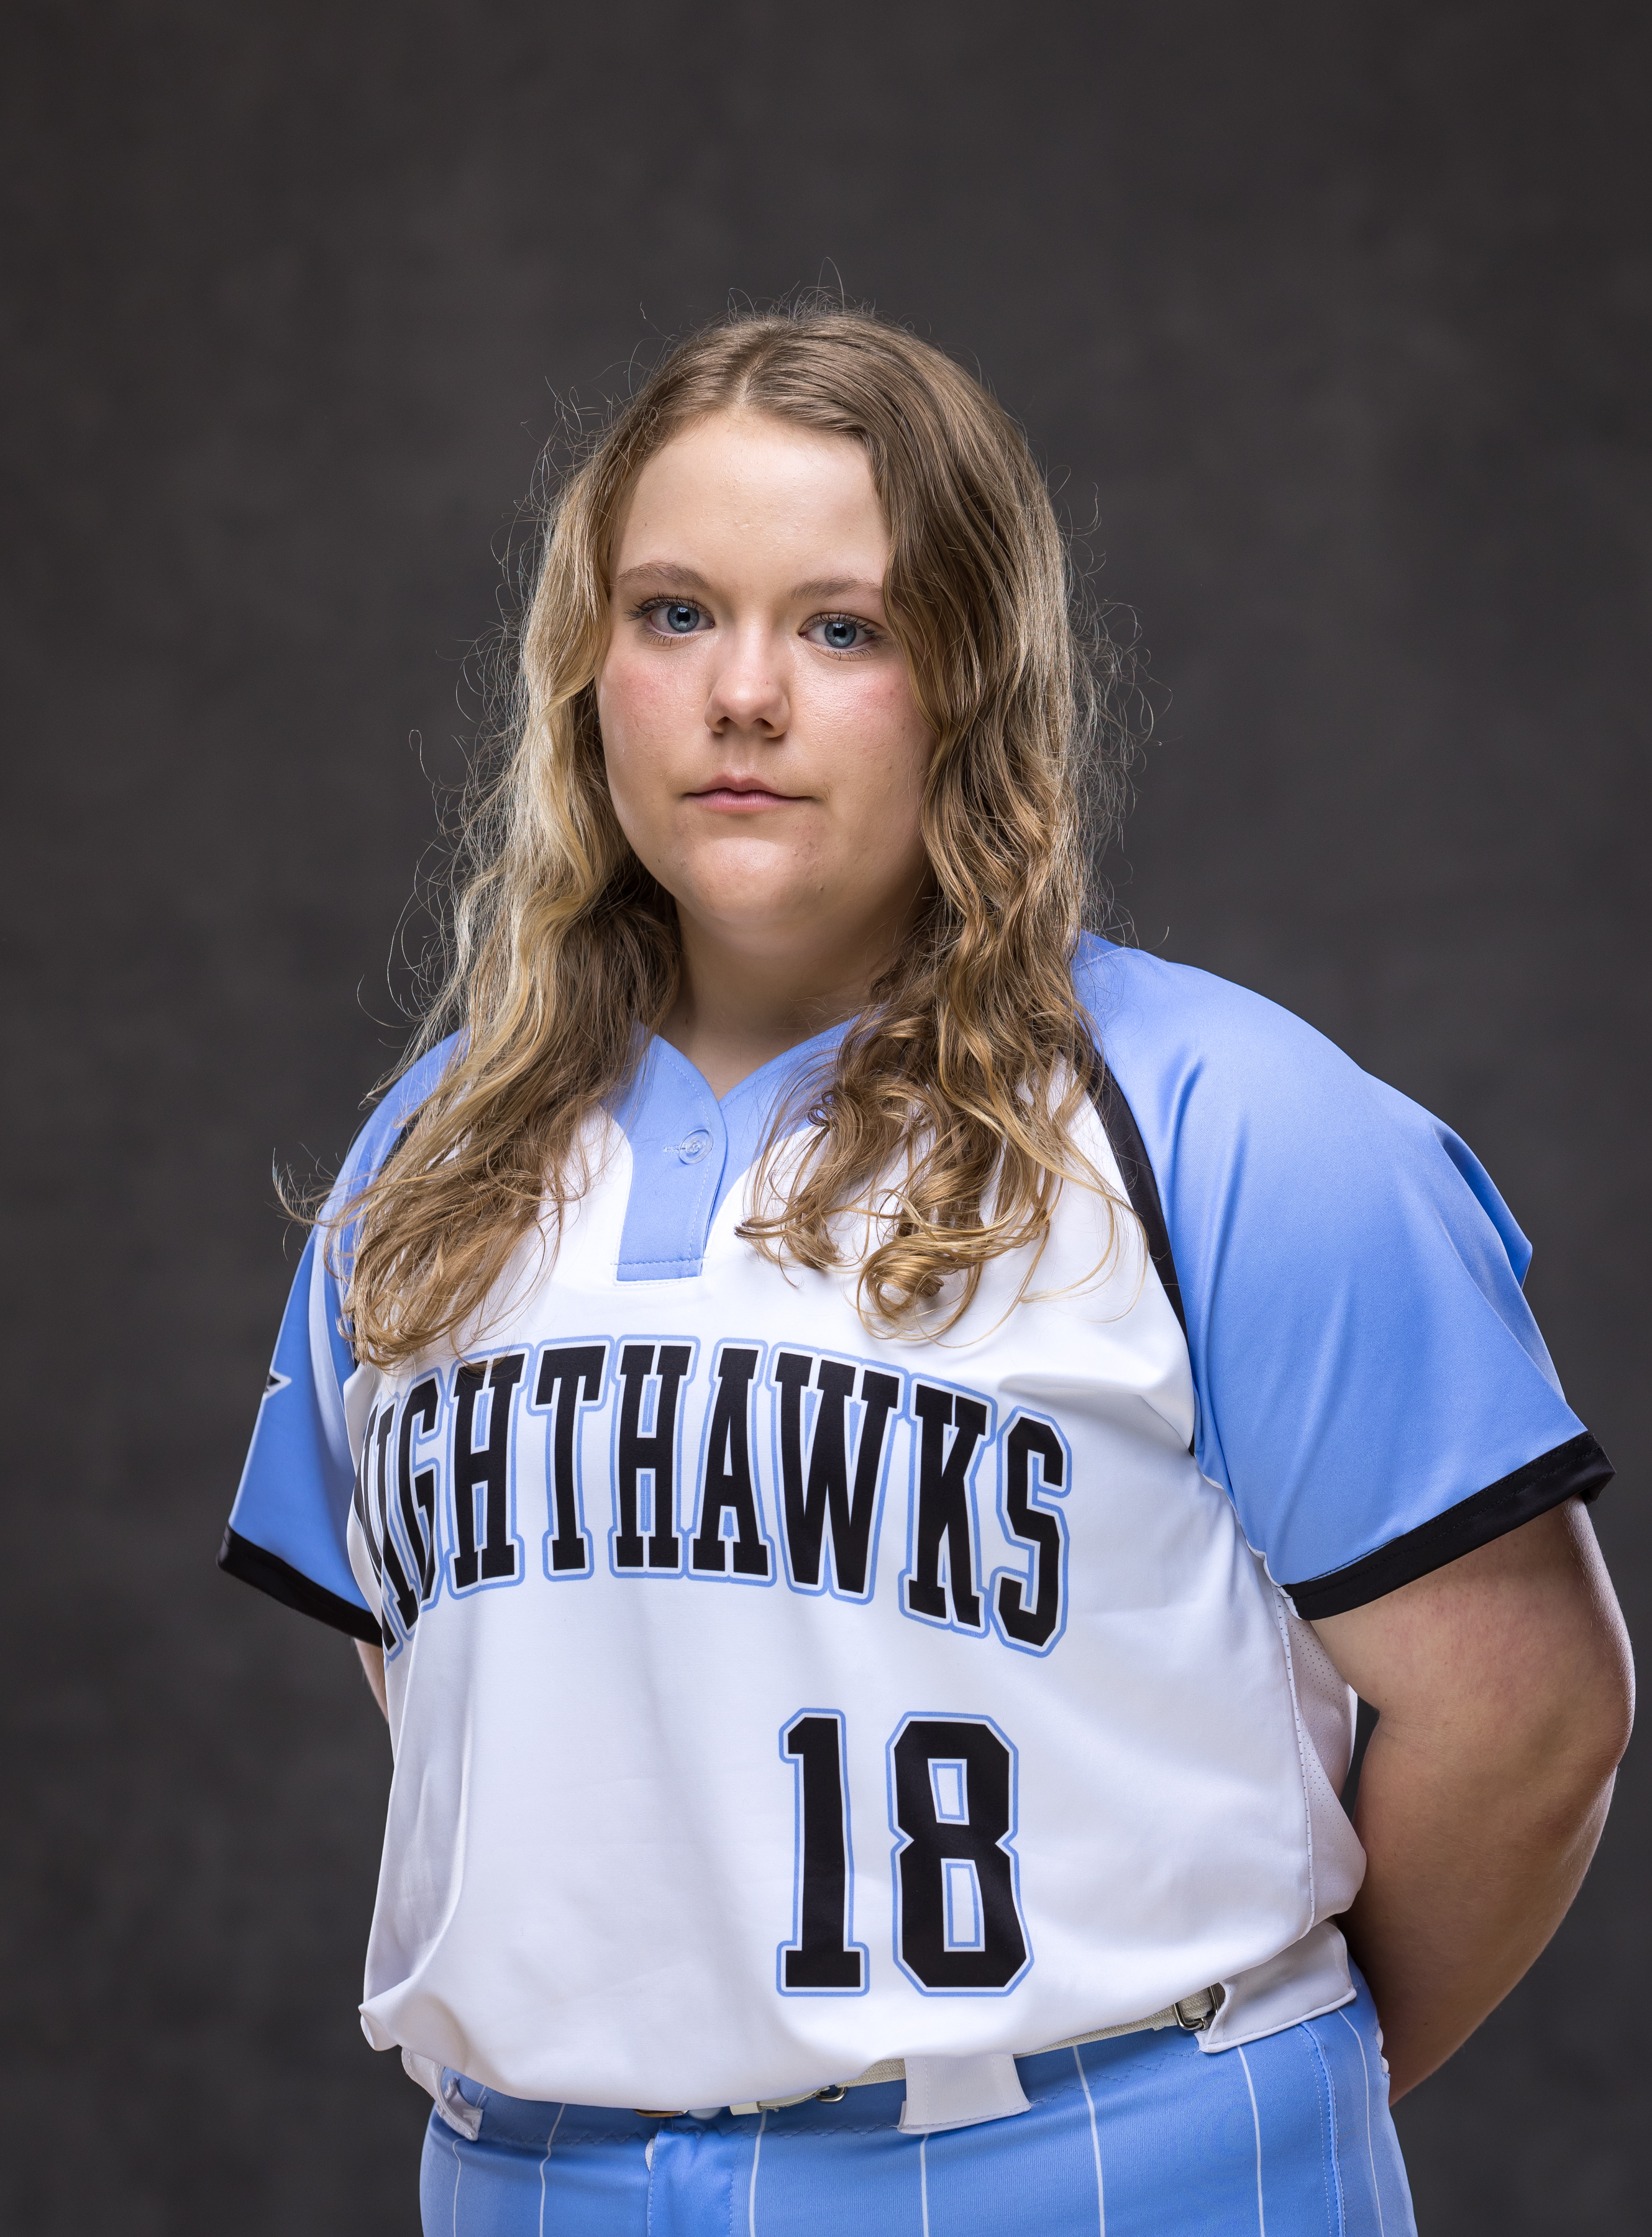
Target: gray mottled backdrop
1334	319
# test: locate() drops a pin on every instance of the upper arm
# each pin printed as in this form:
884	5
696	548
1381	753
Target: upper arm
288	1530
1522	1636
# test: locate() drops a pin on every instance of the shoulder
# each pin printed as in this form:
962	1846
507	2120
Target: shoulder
1229	1089
1180	1032
1335	1246
394	1114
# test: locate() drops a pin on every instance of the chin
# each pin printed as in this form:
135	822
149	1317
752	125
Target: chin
747	877
751	908
748	917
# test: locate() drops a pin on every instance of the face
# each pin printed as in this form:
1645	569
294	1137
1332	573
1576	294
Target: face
764	751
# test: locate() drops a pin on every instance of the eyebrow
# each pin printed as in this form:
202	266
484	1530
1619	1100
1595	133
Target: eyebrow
689	576
838	586
827	586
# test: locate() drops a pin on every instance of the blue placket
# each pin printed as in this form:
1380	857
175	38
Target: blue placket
688	1150
679	1149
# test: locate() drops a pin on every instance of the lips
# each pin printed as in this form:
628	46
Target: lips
742	792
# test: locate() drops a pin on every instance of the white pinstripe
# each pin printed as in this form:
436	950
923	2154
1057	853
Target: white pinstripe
923	2152
1095	2144
545	2163
1371	2151
1256	2123
750	2196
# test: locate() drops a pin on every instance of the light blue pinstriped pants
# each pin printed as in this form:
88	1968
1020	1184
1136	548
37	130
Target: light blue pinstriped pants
1138	2136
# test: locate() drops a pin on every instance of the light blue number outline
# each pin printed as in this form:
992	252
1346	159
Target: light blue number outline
903	1841
795	1764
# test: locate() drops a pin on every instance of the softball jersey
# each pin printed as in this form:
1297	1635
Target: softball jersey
771	1697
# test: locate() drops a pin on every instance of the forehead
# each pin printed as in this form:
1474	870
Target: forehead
744	484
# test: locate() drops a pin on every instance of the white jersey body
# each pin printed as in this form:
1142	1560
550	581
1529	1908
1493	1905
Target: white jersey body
769	1699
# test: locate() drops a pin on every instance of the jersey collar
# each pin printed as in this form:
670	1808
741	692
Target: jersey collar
688	1148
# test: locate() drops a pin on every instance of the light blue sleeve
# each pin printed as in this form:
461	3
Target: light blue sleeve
286	1531
1373	1392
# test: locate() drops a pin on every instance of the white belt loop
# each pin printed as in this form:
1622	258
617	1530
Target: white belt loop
439	2083
957	2093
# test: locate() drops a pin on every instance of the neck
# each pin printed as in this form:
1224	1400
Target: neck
739	1007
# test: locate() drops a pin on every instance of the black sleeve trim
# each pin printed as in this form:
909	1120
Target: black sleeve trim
238	1557
1578	1469
1137	1172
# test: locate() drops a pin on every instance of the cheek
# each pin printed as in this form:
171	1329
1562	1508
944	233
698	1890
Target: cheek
890	752
634	715
638	703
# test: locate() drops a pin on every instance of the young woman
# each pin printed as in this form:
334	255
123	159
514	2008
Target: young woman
866	1436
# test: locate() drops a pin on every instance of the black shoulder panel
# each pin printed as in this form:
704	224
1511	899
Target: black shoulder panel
1136	1173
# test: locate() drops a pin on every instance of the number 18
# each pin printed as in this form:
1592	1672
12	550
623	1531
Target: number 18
959	1928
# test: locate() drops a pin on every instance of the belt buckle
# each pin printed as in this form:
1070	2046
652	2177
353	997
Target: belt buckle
1195	2013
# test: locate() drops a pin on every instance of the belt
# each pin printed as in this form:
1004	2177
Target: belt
1193	2014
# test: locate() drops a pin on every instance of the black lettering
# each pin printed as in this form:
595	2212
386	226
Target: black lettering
822	1957
944	1506
1038	1625
652	1453
817	1501
487	1470
727	1488
416	1495
401	1592
960	1927
572	1375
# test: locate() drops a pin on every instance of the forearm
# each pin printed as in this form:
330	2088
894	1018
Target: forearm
1505	1692
1470	1871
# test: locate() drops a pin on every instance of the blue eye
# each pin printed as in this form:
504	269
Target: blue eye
837	633
680	618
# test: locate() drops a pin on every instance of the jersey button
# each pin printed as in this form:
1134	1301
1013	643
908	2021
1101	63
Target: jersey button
694	1146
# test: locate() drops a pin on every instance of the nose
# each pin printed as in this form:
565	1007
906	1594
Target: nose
748	691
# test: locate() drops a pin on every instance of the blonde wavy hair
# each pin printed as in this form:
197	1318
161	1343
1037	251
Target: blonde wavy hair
948	1112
